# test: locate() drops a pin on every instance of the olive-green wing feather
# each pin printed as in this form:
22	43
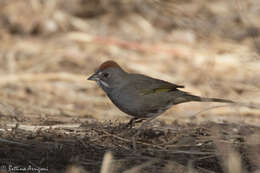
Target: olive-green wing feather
147	85
157	90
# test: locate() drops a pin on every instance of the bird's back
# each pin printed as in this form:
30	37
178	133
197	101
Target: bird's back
143	96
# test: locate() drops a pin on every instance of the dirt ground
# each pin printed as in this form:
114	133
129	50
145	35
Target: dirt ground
53	120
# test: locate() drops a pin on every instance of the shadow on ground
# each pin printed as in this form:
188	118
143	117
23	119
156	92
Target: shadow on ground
161	148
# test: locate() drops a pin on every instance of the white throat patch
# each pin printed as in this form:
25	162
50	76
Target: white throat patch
100	82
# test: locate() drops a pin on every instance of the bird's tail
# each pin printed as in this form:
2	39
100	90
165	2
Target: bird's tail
205	99
181	97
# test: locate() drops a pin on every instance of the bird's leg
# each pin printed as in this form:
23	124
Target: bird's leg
139	120
140	128
130	123
133	121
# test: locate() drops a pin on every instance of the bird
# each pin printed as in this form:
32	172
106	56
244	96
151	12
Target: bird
140	96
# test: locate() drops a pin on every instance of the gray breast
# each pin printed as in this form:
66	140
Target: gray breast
127	101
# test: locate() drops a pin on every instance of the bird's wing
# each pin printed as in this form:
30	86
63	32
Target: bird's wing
147	85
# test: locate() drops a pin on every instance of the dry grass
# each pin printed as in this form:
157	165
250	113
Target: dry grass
184	148
48	49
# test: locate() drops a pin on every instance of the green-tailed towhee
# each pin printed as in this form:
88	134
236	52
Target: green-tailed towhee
141	96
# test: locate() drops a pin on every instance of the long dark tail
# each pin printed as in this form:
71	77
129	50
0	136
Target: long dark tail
204	99
182	97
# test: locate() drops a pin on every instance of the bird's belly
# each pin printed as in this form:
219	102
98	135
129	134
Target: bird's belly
126	104
138	106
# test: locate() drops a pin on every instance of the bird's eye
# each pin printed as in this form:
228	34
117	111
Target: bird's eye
105	75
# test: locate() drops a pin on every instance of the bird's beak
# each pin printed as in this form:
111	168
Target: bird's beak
93	77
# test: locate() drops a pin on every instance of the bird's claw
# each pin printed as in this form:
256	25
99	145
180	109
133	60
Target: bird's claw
132	122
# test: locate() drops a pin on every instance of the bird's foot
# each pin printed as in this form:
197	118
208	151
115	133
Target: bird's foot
133	121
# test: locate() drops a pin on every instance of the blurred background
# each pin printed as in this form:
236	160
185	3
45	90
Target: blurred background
48	109
49	48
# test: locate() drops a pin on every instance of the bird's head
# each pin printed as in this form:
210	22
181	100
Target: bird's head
109	75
